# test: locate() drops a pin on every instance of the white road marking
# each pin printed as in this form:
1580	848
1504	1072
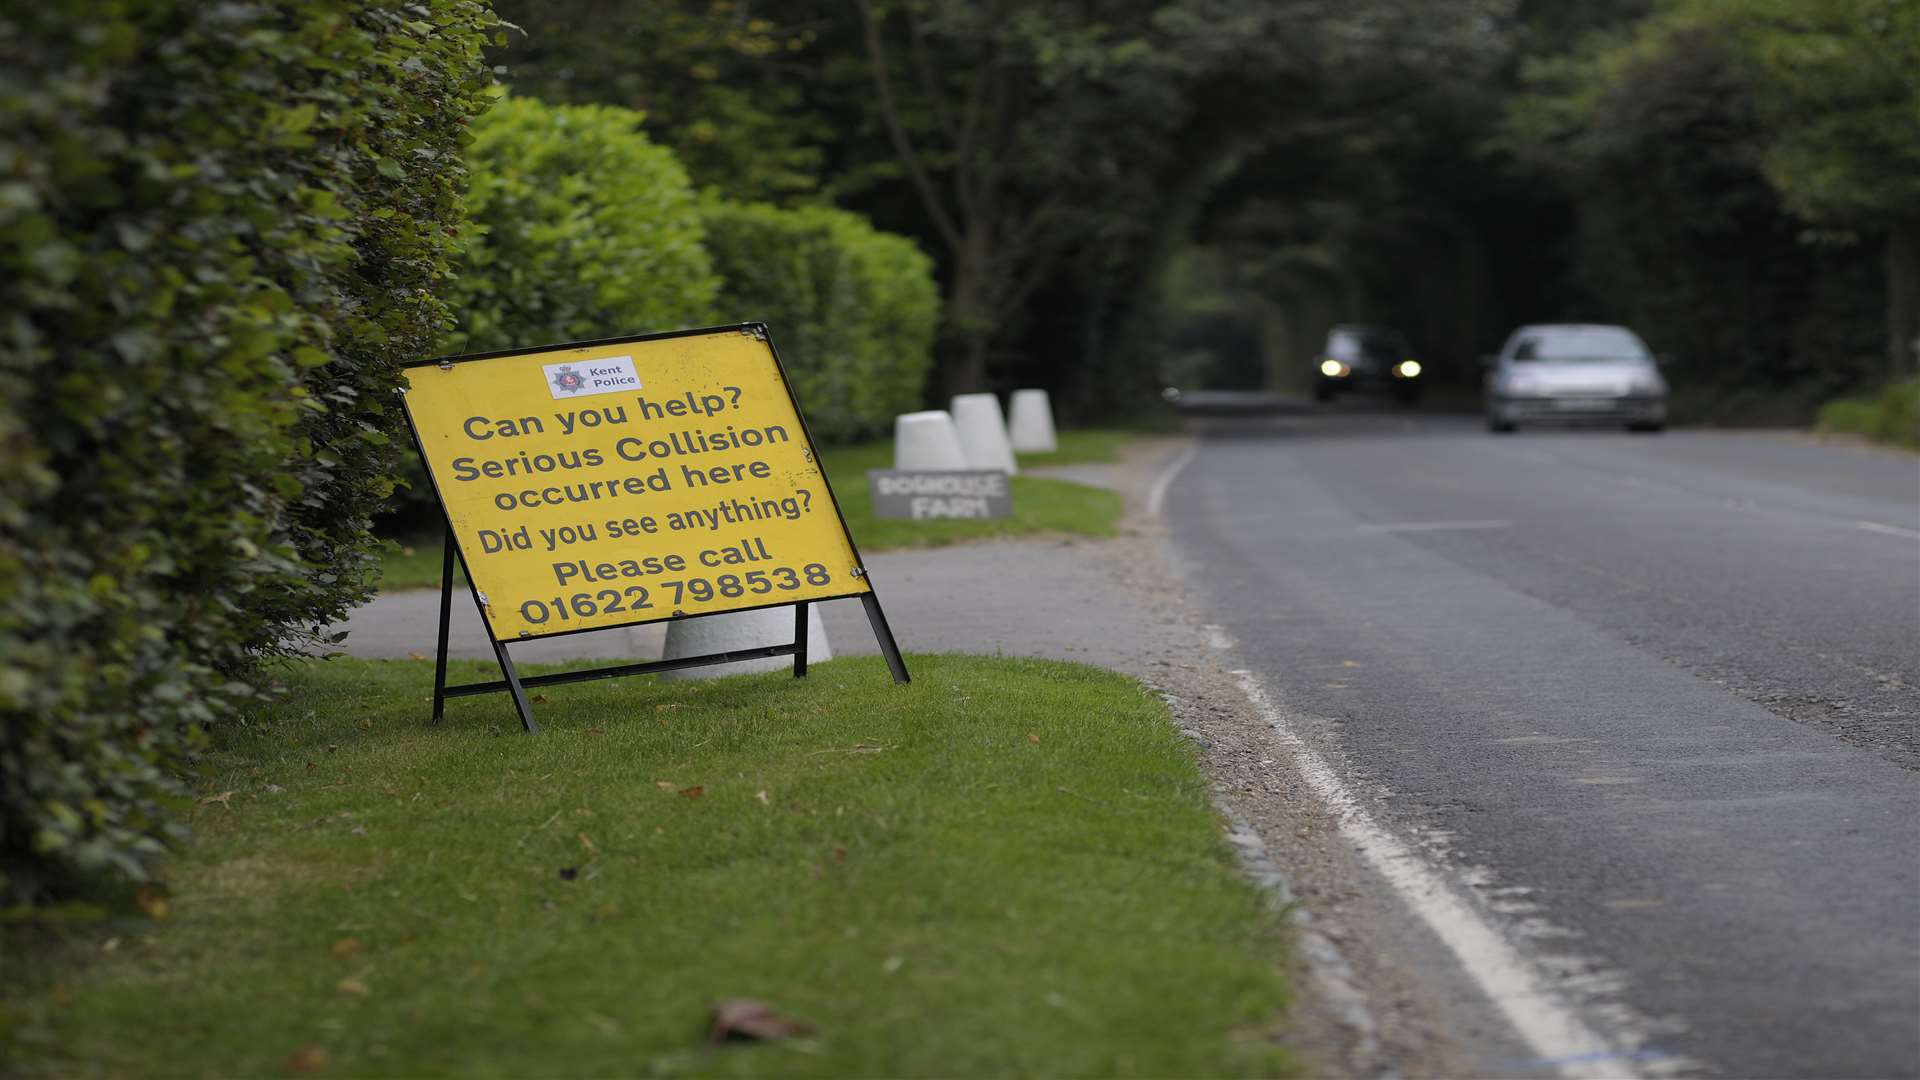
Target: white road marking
1552	1029
1157	496
1890	530
1436	526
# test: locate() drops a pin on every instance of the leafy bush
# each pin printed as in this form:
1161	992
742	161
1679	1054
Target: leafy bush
1892	415
852	309
220	224
587	230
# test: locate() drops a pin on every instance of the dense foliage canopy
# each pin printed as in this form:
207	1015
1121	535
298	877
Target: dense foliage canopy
851	309
219	225
583	229
1732	176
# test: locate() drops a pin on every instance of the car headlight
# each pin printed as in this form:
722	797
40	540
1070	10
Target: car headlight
1521	386
1647	386
1407	369
1333	369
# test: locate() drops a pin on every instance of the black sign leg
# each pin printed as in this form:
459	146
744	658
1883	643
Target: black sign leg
446	622
883	634
513	686
799	639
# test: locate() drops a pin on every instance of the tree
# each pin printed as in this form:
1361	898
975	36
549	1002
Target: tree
1017	126
1656	134
728	85
1839	85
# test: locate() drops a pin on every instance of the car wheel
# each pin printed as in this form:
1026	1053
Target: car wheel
1650	427
1501	427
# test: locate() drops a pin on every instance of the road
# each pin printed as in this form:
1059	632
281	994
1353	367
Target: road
1650	705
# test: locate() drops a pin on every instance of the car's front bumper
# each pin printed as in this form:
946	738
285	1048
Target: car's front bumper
1367	382
1587	409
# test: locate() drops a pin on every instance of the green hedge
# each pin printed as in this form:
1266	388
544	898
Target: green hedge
853	310
587	230
220	224
1892	415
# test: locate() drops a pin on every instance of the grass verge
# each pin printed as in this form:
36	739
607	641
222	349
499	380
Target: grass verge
1890	416
1007	867
1040	505
1082	445
413	562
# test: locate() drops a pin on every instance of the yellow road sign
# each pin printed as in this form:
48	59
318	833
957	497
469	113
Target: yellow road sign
629	481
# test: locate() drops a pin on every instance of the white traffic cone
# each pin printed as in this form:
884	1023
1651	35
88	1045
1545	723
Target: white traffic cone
927	440
742	630
983	432
1031	423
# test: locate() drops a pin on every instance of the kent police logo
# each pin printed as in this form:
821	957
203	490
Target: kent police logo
568	379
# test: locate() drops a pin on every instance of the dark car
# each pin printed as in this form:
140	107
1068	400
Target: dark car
1366	359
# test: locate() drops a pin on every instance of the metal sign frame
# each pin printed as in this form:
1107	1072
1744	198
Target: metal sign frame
511	681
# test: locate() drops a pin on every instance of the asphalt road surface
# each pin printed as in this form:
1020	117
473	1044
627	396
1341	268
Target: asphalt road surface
1652	702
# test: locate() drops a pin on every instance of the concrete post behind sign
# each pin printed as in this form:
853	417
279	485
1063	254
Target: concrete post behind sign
983	432
1032	422
927	440
742	630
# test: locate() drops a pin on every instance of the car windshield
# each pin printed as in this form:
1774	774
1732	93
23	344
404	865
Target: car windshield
1597	344
1352	346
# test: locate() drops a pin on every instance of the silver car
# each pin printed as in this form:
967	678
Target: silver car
1575	373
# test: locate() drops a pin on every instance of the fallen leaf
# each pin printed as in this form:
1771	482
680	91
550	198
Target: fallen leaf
693	792
856	748
348	947
665	785
152	900
596	729
1033	739
307	1059
593	850
415	656
224	799
839	854
605	1024
762	796
747	1019
351	987
539	699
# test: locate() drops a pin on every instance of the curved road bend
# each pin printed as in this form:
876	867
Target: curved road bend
1656	698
